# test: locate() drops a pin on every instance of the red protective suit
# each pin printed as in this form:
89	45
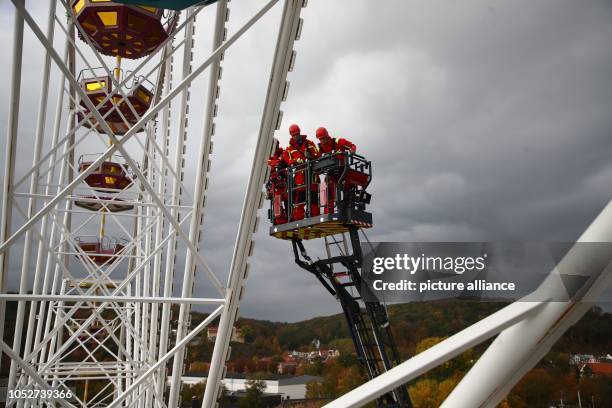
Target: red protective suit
336	145
327	188
276	160
277	186
300	150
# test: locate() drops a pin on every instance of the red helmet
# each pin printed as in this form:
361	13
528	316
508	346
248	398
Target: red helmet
322	132
294	130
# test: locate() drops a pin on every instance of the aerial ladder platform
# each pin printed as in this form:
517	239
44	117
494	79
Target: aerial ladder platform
327	198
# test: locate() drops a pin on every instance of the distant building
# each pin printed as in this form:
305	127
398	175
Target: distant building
211	335
598	369
286	386
237	337
322	355
287	367
310	356
300	355
576	359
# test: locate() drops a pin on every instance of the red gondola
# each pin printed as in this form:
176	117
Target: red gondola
101	251
98	88
121	30
109	175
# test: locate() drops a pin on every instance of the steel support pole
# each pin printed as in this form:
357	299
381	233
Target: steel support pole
38	143
253	201
199	197
51	262
65	176
148	322
40	255
9	160
157	263
436	355
117	299
176	185
517	349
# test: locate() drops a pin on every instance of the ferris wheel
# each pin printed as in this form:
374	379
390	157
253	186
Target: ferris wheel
103	207
97	210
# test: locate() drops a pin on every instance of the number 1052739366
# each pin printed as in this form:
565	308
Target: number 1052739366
37	394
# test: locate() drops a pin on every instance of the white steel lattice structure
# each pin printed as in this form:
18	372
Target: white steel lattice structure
95	309
97	313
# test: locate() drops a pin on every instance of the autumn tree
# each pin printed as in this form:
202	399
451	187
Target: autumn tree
430	393
459	364
254	395
190	391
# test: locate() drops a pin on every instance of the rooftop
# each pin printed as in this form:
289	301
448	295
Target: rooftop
282	379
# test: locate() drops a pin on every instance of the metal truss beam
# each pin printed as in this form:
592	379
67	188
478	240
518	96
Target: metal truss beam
528	329
436	355
517	349
114	299
199	194
9	161
281	65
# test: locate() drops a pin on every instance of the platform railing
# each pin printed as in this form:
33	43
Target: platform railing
301	177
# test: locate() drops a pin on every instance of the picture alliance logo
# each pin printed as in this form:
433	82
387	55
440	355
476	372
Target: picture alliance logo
413	264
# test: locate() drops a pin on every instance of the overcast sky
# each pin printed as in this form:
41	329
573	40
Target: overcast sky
484	120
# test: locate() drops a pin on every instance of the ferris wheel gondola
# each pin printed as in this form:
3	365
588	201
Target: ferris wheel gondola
122	30
119	112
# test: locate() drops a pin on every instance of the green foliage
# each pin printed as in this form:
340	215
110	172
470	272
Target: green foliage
417	327
457	365
314	368
343	345
337	380
248	333
190	391
348	360
254	393
430	393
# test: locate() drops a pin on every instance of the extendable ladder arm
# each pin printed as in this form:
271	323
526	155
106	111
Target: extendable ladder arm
367	321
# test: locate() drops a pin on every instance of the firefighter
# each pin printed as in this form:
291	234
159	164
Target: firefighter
277	184
300	148
299	151
328	144
276	160
328	186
